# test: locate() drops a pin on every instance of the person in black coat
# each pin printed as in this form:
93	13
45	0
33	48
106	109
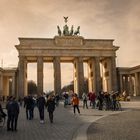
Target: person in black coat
50	107
13	112
29	104
41	104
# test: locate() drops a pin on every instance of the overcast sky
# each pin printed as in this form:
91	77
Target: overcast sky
98	19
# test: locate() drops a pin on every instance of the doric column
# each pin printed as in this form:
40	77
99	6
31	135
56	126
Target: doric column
57	75
22	75
79	76
130	85
13	86
40	75
137	84
6	86
97	75
126	85
113	74
1	85
91	75
121	83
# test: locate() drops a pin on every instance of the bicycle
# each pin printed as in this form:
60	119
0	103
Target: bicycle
2	121
2	118
118	106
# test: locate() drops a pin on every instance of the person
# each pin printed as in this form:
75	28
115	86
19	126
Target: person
114	100
124	95
57	98
92	99
41	104
29	104
50	107
75	103
13	112
84	97
20	101
2	113
89	97
66	97
100	100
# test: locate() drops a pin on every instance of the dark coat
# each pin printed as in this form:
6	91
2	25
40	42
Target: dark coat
28	102
12	108
41	102
50	105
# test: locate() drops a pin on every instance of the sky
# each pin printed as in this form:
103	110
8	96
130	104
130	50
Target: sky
98	19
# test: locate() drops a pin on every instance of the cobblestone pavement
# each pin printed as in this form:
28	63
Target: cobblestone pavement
66	126
63	128
124	126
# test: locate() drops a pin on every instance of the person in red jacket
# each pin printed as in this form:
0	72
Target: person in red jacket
75	103
92	99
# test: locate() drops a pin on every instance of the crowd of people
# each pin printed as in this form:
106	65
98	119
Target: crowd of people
30	102
103	100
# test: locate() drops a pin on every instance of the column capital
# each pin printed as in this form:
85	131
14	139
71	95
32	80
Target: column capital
56	58
22	58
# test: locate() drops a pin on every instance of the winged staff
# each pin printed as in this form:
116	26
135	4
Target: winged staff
66	19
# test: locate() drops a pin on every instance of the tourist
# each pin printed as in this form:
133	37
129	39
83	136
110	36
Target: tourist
29	104
92	99
41	104
57	98
50	107
114	98
100	100
66	97
89	97
85	98
13	112
75	103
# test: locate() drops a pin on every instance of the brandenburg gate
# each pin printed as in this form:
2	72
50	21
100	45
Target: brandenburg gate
69	47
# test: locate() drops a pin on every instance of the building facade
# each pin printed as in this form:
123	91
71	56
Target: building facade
129	80
8	82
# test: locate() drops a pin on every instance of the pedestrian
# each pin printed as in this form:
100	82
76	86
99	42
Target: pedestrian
13	112
29	104
92	99
20	101
89	96
50	107
57	98
66	96
100	100
114	99
84	98
41	104
75	103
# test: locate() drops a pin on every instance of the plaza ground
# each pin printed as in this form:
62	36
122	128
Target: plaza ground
91	124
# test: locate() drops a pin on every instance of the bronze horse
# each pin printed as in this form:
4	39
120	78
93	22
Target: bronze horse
77	31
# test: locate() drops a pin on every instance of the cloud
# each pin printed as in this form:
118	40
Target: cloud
110	19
